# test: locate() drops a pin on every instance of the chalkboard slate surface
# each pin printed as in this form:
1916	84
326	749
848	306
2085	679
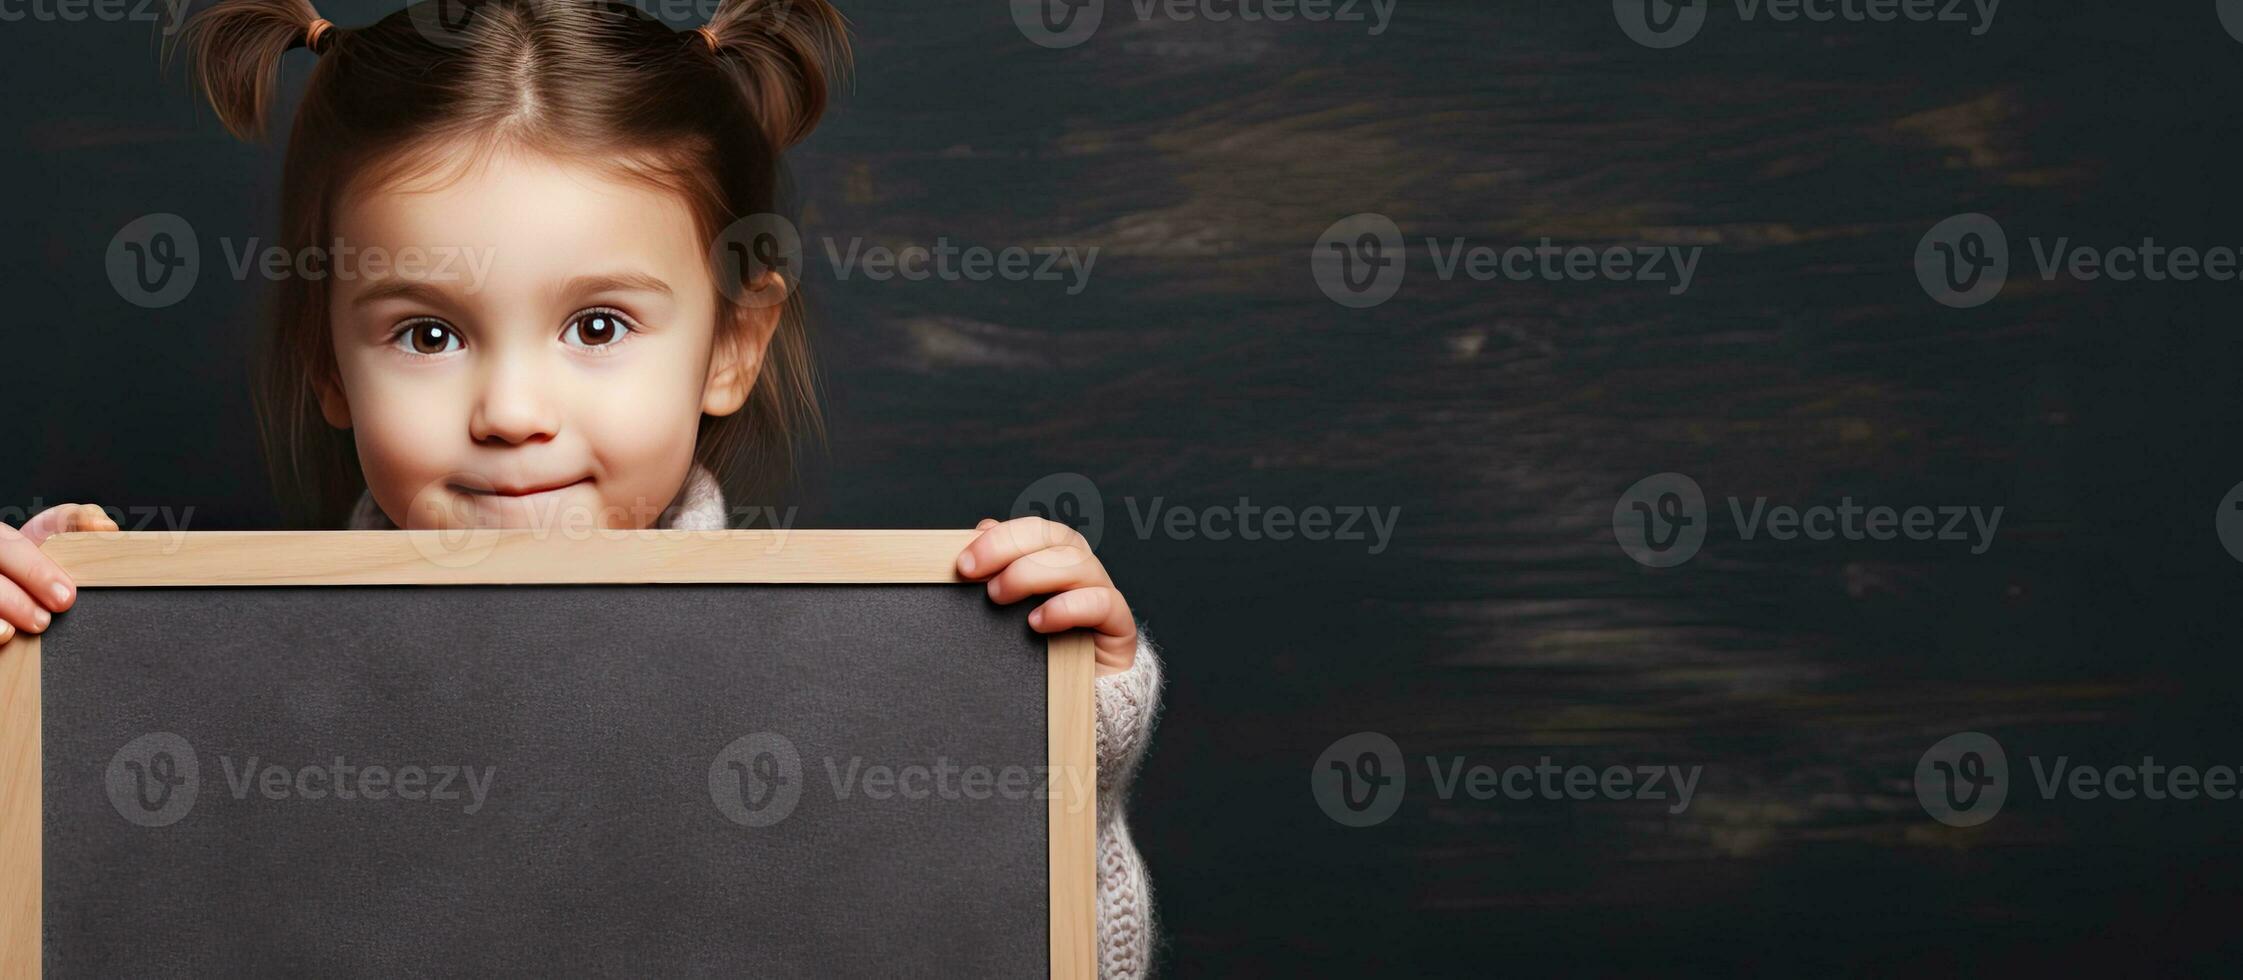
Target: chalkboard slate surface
594	739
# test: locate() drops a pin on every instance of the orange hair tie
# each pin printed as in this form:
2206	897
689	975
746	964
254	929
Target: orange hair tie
317	33
711	37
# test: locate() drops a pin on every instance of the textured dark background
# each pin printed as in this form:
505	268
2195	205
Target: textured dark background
1504	419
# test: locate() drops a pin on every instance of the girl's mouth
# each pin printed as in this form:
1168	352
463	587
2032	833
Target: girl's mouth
517	490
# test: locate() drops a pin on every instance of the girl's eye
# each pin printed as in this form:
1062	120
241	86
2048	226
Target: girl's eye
429	337
596	328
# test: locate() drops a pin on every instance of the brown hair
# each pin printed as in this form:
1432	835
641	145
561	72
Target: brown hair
705	112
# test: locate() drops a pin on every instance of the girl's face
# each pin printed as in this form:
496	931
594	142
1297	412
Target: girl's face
529	342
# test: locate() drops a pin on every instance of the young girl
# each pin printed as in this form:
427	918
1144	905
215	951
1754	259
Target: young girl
598	368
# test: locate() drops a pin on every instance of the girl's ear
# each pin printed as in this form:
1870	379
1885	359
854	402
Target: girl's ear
737	357
332	405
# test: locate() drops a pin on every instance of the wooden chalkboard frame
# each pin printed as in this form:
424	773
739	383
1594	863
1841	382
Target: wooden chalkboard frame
524	557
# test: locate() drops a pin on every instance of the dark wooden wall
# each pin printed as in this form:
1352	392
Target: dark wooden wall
1503	623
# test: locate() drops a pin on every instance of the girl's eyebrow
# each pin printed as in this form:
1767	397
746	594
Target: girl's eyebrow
412	289
615	282
621	282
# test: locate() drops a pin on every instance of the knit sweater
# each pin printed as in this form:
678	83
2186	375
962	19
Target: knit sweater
1127	704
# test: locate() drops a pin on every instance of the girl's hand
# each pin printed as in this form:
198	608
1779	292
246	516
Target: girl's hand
32	587
1032	556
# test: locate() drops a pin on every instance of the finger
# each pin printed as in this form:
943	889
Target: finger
18	609
32	572
986	524
1069	567
92	518
7	632
67	517
1099	608
1002	544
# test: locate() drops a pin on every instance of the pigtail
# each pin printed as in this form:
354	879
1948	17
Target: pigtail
781	54
234	49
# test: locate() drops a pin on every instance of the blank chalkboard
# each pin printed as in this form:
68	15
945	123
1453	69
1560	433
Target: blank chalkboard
363	753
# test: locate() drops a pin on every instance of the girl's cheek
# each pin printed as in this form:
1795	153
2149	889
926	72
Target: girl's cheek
396	475
408	431
422	406
644	430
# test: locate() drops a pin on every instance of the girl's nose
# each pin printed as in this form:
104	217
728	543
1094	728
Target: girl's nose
514	409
